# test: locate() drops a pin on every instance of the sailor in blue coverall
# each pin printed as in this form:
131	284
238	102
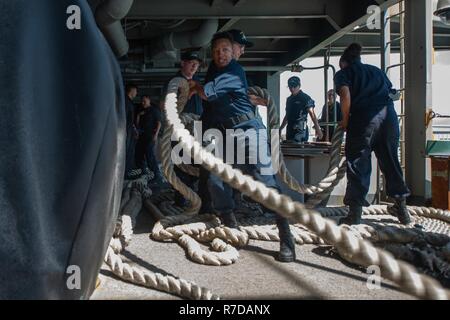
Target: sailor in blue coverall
371	123
227	95
240	43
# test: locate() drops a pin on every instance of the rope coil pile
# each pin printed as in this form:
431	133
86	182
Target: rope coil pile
138	275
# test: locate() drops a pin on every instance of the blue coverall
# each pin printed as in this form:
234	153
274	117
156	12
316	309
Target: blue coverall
373	126
228	99
297	107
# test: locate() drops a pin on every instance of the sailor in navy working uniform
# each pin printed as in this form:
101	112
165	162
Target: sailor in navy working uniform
298	106
240	43
371	123
227	95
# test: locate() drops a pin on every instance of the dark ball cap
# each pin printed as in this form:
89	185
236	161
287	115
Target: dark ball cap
191	55
221	35
239	37
294	82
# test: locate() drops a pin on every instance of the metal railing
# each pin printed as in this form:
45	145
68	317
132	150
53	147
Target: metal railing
387	41
441	132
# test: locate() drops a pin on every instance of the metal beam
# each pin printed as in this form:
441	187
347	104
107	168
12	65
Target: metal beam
319	44
273	85
377	34
201	9
229	16
255	27
279	36
385	39
373	42
167	71
265	51
418	96
333	23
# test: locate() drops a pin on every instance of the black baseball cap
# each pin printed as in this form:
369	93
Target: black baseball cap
294	82
221	35
239	37
191	55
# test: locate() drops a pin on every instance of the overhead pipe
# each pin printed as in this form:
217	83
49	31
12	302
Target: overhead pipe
187	39
108	16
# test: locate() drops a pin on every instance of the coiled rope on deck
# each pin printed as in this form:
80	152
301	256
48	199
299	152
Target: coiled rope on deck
138	275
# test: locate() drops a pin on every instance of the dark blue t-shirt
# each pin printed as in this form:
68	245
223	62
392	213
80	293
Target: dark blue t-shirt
226	91
369	88
149	121
297	108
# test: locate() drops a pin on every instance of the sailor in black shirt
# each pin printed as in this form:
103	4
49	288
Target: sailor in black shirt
298	106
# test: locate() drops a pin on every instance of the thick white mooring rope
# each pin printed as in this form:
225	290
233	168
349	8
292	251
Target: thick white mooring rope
350	242
354	249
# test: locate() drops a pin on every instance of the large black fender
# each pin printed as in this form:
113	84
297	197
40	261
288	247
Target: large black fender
62	157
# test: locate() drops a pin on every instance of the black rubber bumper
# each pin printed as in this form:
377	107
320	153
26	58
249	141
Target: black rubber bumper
62	141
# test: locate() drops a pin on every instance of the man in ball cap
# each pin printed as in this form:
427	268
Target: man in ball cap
240	42
226	92
190	63
298	106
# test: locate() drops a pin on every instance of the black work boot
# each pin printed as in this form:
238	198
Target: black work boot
353	217
287	244
229	219
400	211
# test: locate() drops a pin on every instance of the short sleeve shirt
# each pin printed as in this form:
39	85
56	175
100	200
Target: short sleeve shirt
297	108
369	87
